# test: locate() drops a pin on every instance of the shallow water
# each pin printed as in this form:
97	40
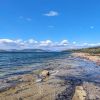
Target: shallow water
89	71
14	64
17	63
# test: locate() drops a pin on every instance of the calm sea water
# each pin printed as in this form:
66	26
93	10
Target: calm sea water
19	63
22	63
13	64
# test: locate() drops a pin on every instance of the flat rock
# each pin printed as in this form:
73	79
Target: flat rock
80	93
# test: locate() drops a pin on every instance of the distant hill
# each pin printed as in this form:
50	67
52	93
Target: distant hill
91	50
2	50
25	50
32	50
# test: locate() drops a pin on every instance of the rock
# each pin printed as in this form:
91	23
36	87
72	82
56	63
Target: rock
98	62
27	78
20	98
54	72
45	73
39	80
43	76
80	94
93	90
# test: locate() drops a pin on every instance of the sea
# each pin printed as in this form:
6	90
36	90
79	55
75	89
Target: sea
14	63
20	63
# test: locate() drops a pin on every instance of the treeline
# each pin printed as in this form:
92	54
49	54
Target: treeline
93	50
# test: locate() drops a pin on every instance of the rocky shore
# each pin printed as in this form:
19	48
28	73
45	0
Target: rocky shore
33	87
94	58
62	79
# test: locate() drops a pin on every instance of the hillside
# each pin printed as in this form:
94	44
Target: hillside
92	50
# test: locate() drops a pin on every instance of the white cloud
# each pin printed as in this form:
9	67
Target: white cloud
64	42
74	42
6	41
85	44
90	44
52	13
31	41
9	44
47	44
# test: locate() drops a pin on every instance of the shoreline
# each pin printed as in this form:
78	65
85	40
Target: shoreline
87	56
30	86
66	78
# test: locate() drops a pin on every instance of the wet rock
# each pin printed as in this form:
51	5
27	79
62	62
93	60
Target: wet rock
71	83
39	80
80	93
6	86
27	78
67	94
93	90
20	98
98	63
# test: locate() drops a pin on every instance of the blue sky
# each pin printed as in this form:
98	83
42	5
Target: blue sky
76	21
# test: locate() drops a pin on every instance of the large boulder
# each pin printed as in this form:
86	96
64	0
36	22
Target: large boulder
80	93
45	73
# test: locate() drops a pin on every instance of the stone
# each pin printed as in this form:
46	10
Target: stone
45	73
39	80
27	78
80	93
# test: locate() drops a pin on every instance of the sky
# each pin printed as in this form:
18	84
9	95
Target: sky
49	24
